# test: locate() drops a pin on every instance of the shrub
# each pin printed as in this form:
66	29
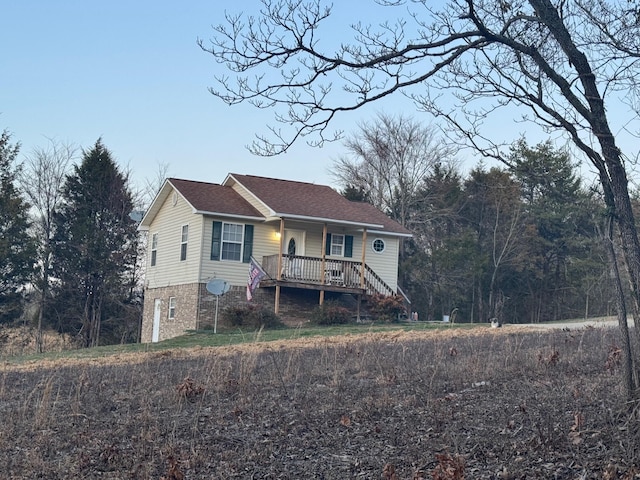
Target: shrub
386	308
330	313
251	316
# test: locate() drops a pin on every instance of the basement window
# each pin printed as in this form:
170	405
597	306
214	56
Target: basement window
172	308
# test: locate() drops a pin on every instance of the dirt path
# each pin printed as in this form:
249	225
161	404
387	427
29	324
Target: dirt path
599	322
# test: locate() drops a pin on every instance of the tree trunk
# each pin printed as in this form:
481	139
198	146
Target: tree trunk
627	363
611	171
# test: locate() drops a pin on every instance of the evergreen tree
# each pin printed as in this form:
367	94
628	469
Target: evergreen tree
562	214
16	247
438	265
94	250
494	212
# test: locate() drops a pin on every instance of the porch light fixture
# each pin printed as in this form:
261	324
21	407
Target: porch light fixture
277	234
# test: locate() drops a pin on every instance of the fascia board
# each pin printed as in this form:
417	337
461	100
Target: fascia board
305	218
228	215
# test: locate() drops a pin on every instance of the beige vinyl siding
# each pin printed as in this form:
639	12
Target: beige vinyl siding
385	264
169	270
236	273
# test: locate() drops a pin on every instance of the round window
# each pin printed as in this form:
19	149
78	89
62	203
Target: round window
378	245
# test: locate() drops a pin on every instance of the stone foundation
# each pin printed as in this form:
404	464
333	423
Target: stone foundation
185	315
196	307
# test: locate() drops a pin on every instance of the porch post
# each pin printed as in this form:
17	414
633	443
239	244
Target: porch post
323	261
276	308
364	249
279	271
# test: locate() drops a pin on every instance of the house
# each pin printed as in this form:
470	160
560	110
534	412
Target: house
312	243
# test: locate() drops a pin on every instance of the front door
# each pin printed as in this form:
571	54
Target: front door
157	309
293	242
293	245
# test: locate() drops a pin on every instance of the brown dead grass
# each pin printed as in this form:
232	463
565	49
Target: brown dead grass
61	344
453	404
16	341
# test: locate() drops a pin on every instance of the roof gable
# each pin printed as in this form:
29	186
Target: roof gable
211	198
204	198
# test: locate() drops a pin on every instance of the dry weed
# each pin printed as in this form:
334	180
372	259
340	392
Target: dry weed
549	359
614	359
449	467
173	471
389	472
189	390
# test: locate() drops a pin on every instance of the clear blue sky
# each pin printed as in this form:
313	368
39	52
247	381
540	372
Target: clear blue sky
132	73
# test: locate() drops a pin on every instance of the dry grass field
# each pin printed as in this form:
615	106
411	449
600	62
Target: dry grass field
446	405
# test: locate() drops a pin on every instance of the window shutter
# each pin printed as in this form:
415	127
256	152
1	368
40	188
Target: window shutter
247	250
327	247
216	238
348	246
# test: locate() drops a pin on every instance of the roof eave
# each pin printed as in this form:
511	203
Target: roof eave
390	232
229	215
306	218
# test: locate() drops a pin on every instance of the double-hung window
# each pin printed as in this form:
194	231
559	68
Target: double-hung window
172	308
183	242
337	245
232	241
154	249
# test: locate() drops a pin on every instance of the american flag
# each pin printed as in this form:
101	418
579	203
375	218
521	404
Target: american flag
256	273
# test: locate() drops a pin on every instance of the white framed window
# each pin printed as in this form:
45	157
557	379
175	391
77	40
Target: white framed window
378	245
337	245
183	242
232	237
172	308
154	249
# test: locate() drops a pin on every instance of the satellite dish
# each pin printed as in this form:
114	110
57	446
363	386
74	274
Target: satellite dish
218	286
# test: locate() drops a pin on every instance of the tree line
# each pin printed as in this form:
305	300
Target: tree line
521	243
69	247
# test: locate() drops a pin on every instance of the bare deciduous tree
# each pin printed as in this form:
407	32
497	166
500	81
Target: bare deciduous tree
390	158
42	180
561	62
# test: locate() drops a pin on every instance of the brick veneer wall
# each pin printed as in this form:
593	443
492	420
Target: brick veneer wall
186	310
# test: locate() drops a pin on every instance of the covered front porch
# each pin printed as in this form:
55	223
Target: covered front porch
317	273
334	270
